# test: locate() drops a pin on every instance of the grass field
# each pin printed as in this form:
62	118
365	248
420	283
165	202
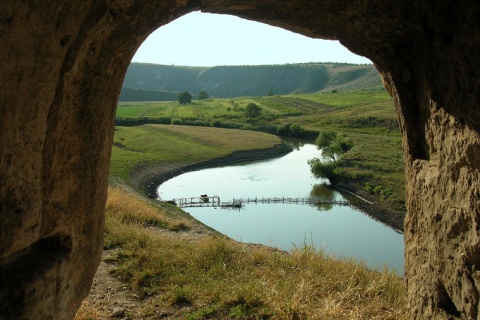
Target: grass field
367	118
168	264
344	104
208	276
151	143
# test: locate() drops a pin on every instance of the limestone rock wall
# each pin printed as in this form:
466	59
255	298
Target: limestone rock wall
61	68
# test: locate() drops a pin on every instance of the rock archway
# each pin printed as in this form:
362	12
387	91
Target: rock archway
61	68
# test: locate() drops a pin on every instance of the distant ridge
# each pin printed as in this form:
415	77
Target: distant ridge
149	82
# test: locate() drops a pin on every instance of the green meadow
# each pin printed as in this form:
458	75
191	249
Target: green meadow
367	118
172	265
156	144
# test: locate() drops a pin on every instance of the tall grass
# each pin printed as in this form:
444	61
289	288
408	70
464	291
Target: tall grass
209	275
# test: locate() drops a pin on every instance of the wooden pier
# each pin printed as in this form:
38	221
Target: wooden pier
284	200
214	201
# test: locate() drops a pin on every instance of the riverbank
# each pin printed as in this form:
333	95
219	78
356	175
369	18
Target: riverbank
148	178
160	263
372	207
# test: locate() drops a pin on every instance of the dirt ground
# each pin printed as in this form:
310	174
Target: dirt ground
109	298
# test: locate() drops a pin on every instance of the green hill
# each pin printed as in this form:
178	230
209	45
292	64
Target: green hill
235	81
131	94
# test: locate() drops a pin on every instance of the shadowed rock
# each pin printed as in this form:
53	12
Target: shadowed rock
61	68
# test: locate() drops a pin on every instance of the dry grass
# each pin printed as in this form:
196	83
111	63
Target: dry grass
89	312
212	276
130	210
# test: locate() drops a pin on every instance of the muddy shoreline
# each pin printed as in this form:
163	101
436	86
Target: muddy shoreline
146	179
372	207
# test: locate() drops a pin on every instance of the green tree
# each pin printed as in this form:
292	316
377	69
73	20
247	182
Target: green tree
202	95
252	110
321	169
185	97
332	147
289	130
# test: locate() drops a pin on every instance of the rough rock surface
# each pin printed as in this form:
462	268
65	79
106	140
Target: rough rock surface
61	68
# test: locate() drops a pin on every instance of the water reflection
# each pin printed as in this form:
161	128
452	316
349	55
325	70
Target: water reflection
322	191
340	230
296	144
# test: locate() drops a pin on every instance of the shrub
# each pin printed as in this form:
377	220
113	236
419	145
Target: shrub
217	123
177	121
248	127
321	169
252	110
202	95
284	130
378	190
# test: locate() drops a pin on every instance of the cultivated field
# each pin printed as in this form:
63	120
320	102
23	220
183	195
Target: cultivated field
367	118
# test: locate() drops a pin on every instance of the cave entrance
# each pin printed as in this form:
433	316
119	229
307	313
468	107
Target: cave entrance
179	42
63	70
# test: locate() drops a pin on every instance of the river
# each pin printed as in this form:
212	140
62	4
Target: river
341	231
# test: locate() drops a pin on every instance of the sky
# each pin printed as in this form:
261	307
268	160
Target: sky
203	39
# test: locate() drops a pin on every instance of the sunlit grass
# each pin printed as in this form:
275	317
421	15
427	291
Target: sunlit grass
368	118
147	144
130	209
345	99
217	277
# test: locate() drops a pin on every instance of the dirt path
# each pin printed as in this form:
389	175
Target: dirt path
110	298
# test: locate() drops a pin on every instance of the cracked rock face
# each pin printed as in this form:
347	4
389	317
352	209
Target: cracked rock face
61	68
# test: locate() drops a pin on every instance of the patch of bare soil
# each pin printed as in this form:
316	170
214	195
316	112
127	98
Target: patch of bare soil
110	298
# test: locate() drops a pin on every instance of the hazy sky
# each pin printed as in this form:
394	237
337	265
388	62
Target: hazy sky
202	39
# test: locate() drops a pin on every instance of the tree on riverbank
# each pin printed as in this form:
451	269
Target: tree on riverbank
332	146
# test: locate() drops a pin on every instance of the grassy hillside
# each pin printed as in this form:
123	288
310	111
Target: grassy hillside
350	77
169	266
148	76
235	81
164	263
131	94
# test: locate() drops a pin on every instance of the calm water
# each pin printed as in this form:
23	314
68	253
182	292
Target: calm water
338	230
